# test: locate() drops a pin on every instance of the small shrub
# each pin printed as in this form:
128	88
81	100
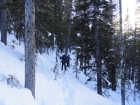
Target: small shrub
56	71
12	81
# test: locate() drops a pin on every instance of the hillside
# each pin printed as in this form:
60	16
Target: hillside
66	90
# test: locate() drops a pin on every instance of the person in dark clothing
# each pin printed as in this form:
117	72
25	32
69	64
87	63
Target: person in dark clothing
68	61
63	62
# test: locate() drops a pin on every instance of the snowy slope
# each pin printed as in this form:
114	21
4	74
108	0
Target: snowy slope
11	65
66	90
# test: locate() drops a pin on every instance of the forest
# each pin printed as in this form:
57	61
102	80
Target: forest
94	30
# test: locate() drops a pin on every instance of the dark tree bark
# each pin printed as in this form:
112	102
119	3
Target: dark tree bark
98	63
113	66
0	16
122	58
113	77
97	53
3	24
68	28
30	46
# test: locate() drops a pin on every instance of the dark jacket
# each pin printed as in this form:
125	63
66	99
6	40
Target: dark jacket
63	58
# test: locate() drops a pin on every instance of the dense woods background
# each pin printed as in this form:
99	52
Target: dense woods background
90	28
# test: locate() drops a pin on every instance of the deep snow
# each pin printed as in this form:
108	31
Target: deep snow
66	90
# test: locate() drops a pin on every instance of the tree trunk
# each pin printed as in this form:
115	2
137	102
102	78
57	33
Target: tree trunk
133	64
98	63
0	17
98	60
77	63
30	46
3	25
113	77
122	58
68	28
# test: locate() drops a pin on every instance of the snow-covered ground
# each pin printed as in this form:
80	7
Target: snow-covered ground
66	90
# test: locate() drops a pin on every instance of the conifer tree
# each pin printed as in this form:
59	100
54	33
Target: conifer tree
86	37
81	37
